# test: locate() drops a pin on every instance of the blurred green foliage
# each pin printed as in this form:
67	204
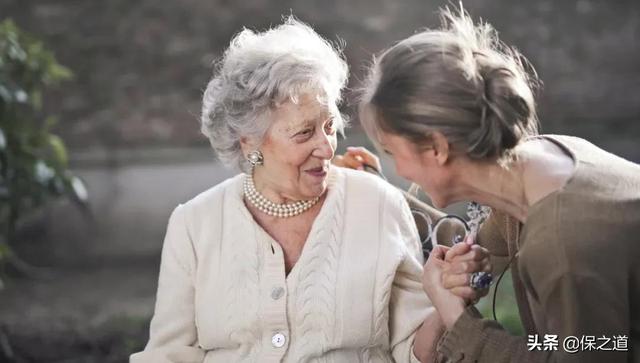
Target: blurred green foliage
506	307
33	161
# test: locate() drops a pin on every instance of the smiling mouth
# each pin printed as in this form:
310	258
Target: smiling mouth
317	172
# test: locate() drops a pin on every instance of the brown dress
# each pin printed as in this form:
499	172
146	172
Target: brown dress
575	270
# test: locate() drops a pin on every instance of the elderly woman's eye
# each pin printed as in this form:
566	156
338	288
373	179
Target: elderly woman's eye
330	127
305	132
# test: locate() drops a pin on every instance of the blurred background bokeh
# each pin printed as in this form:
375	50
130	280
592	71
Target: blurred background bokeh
129	119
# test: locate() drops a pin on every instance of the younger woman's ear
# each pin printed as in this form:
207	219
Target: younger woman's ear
440	147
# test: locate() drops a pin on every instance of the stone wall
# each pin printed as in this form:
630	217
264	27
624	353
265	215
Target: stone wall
141	65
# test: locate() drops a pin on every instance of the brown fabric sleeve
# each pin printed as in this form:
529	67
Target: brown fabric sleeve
474	339
492	234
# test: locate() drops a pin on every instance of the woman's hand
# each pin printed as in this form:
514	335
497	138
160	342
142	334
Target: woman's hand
461	261
449	305
356	157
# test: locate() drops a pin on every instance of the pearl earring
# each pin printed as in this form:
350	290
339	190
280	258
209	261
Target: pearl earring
255	158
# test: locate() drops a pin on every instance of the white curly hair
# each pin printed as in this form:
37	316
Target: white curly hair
261	70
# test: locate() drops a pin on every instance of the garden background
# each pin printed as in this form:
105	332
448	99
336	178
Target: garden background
129	119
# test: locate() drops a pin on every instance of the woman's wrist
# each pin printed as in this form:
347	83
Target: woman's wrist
451	312
427	337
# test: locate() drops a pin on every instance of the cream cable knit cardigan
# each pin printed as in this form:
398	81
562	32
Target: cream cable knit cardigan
355	294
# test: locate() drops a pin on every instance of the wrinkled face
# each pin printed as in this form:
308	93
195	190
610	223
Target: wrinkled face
420	166
298	148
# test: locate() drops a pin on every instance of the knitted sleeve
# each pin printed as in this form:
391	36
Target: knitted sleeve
409	305
173	336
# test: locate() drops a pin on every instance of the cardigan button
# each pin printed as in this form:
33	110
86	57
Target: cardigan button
277	293
278	340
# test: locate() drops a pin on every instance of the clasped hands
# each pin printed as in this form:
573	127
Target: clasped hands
447	275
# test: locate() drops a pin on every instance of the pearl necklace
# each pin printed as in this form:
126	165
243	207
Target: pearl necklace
264	205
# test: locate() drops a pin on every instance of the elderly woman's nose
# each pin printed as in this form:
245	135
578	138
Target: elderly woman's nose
325	147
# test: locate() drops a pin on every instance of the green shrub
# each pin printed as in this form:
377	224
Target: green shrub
33	161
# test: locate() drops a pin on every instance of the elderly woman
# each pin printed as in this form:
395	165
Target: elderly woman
455	110
295	260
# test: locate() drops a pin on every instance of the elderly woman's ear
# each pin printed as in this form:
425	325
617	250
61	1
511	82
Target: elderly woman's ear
247	145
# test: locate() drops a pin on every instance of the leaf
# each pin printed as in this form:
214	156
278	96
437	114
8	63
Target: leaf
4	252
43	173
59	150
57	186
20	96
59	72
36	99
79	189
16	53
3	140
50	122
5	94
4	249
